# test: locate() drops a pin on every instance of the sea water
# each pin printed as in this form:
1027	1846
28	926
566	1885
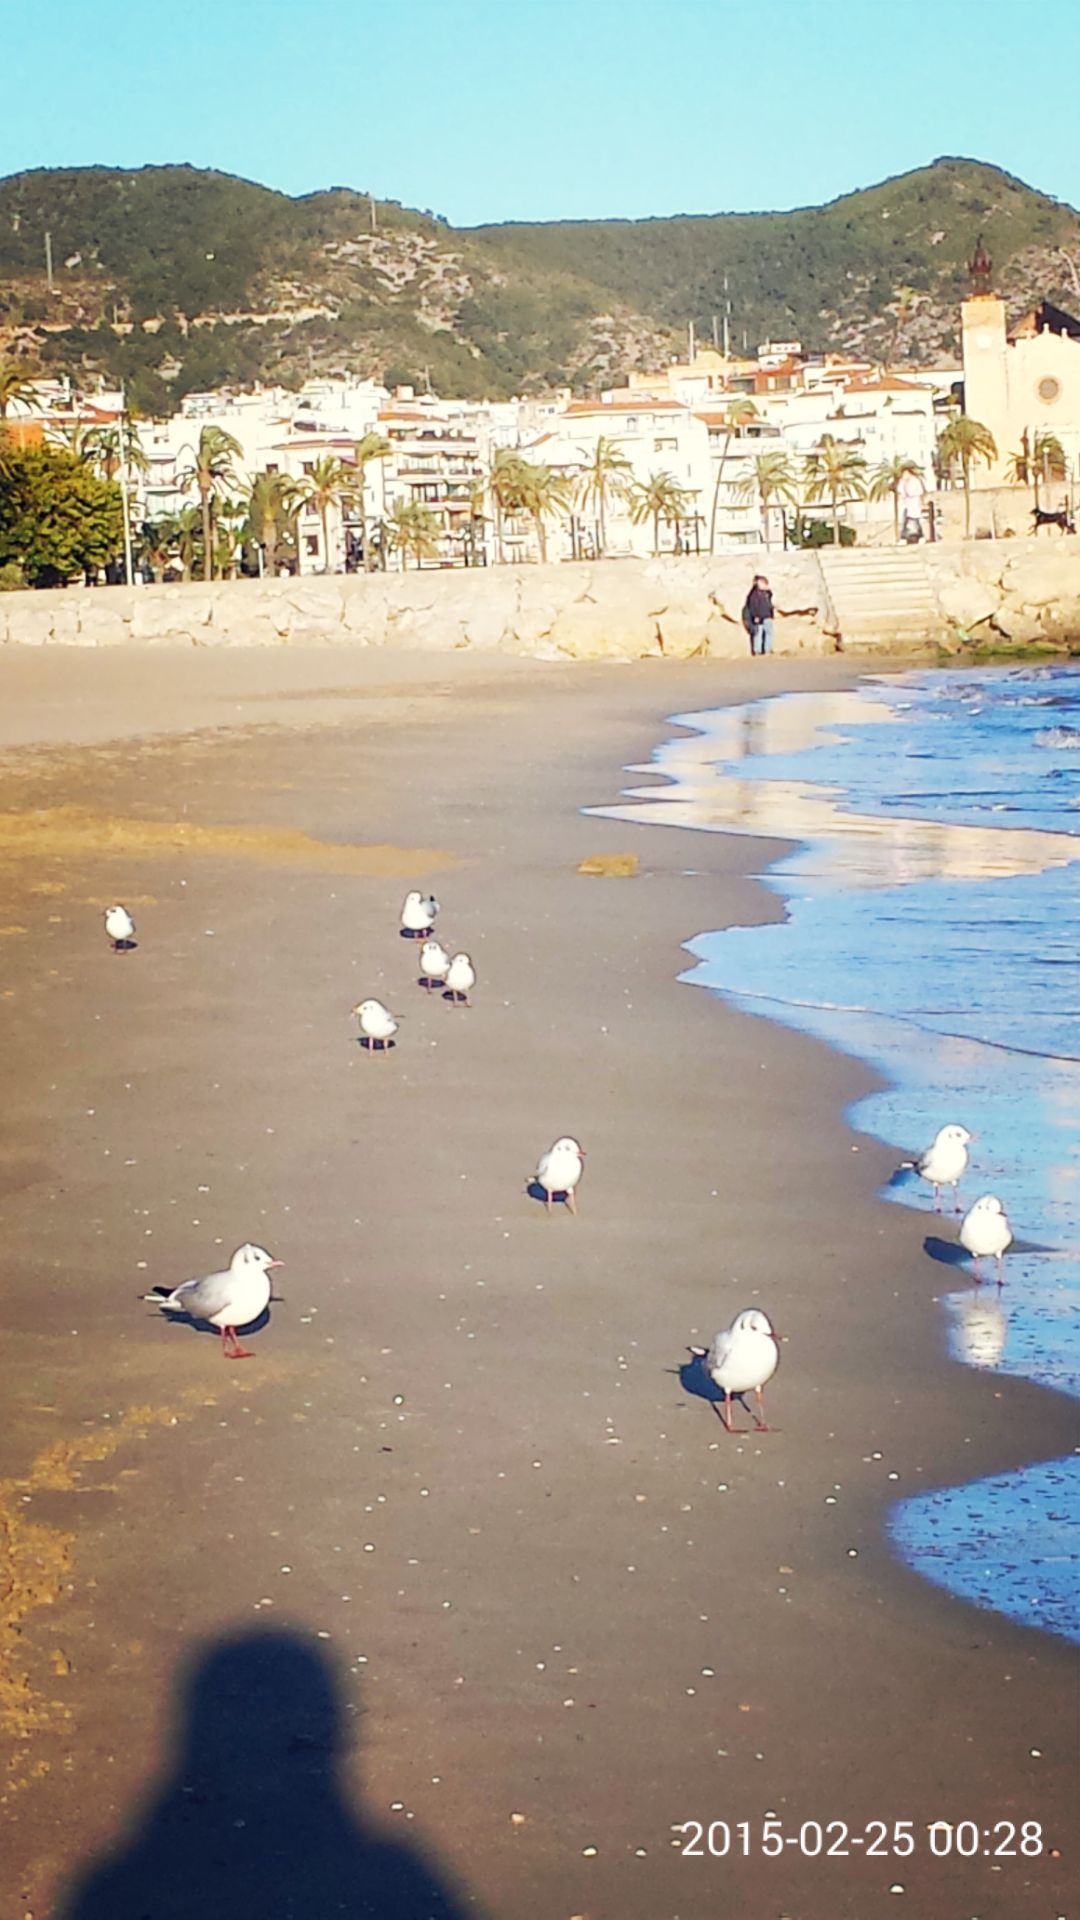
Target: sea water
932	927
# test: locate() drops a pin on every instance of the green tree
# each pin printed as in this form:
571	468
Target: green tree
739	412
837	473
157	545
15	388
212	469
271	514
887	478
543	495
189	539
506	482
1040	456
773	478
413	528
607	475
57	519
964	443
659	498
322	488
903	306
371	446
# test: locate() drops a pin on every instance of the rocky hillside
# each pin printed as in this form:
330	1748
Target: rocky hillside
175	278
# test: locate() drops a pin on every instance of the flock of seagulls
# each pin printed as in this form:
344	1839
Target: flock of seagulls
743	1357
985	1232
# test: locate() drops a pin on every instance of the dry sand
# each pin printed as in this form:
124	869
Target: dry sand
453	1601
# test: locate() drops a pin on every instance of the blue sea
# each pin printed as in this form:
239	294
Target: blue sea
933	929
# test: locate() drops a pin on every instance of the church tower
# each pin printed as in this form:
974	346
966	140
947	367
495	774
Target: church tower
986	361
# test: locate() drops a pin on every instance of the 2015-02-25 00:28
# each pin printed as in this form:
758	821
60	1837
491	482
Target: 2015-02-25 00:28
835	1839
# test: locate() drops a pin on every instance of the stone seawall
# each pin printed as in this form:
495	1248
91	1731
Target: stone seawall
1011	591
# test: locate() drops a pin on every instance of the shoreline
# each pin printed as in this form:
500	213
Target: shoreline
615	1571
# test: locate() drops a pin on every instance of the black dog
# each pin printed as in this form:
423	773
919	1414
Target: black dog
1064	520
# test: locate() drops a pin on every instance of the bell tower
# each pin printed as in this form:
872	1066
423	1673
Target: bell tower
986	358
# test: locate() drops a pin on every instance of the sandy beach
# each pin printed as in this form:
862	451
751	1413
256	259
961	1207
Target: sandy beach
453	1600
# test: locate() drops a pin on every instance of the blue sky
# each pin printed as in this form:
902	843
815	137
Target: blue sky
547	109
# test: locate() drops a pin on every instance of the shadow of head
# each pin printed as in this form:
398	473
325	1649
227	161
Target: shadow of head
251	1820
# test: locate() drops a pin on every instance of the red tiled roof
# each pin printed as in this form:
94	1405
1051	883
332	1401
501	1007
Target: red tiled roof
627	405
885	383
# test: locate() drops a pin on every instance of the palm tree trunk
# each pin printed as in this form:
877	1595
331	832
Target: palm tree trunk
541	538
324	518
896	512
602	543
656	534
967	499
765	520
716	496
835	520
207	533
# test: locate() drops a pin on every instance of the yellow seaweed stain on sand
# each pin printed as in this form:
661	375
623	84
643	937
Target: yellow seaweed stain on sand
37	1562
51	832
610	866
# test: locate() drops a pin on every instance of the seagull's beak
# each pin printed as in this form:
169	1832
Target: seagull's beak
581	1150
275	1263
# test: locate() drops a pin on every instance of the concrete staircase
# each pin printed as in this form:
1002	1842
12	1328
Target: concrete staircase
880	595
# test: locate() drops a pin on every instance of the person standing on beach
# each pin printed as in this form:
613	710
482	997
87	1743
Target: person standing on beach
757	615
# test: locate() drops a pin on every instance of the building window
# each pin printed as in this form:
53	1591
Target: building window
311	544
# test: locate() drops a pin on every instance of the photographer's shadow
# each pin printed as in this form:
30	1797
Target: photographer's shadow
252	1821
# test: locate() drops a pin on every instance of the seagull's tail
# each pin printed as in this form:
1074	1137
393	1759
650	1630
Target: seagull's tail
908	1166
699	1353
158	1296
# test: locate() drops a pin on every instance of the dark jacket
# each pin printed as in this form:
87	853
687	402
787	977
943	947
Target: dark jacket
758	607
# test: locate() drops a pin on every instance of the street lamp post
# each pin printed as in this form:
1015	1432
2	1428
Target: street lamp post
129	572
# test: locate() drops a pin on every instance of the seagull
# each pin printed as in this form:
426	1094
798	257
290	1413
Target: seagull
742	1359
559	1170
434	964
460	979
120	927
944	1162
418	914
227	1300
377	1024
985	1232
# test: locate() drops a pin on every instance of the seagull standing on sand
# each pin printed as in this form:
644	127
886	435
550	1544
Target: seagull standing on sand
986	1234
418	914
119	926
231	1299
460	979
434	964
944	1162
559	1170
377	1023
742	1359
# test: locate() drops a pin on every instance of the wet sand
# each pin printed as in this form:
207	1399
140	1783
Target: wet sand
519	1606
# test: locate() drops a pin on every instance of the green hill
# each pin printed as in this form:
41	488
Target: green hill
176	278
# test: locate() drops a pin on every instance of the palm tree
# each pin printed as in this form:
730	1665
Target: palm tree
1040	456
15	387
773	478
370	446
158	543
738	413
212	469
413	528
189	527
321	488
887	478
964	442
835	472
662	498
606	474
543	494
272	505
505	483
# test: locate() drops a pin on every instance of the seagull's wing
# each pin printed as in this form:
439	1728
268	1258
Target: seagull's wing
203	1298
543	1168
721	1350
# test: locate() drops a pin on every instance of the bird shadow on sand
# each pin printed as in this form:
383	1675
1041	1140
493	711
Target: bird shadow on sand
695	1379
251	1818
536	1192
368	1045
406	933
180	1319
948	1252
125	946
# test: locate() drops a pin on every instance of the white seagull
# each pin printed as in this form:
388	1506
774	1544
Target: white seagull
119	926
418	914
559	1170
460	979
742	1359
377	1023
944	1161
231	1299
434	964
985	1233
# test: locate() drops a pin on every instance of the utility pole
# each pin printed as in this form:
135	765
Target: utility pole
691	343
727	317
715	338
48	261
374	215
